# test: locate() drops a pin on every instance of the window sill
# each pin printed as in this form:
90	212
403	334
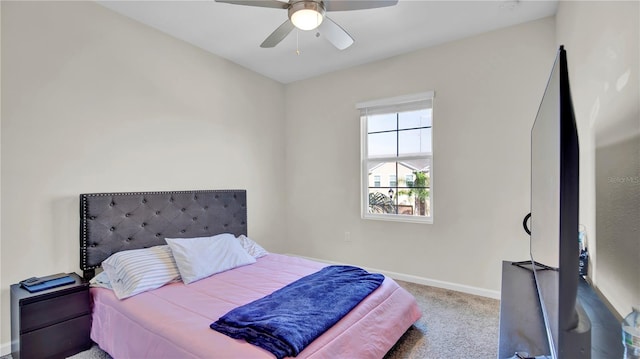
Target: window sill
397	218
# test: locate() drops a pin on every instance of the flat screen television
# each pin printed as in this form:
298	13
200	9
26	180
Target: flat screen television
554	217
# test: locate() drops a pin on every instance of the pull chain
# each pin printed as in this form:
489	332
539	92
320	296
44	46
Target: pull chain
297	42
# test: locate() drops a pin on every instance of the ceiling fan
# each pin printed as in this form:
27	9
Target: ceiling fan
310	14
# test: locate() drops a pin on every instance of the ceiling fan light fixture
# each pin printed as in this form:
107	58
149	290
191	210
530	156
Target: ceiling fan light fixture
306	15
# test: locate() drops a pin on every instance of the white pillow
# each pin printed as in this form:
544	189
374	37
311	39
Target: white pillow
139	270
253	248
201	257
101	281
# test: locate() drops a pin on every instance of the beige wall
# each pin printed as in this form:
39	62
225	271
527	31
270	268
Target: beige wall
2	308
602	39
487	91
96	102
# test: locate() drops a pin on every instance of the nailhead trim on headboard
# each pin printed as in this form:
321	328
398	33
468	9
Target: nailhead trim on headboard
112	222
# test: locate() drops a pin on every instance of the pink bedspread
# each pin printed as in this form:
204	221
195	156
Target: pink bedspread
173	321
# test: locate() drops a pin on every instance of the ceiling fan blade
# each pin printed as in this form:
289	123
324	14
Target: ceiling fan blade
346	5
335	34
278	35
261	3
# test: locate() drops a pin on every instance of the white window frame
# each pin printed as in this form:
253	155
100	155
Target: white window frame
394	104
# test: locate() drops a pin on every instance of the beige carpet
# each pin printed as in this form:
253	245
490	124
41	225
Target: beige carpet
453	326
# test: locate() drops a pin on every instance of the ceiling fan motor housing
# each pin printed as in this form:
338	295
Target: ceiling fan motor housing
310	5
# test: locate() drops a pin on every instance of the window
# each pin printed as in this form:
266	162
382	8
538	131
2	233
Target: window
392	181
408	179
397	144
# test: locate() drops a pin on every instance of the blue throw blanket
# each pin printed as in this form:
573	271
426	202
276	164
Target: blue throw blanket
287	320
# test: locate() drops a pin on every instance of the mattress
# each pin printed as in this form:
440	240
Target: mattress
173	321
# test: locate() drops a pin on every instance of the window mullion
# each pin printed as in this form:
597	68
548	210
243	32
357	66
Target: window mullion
397	134
395	199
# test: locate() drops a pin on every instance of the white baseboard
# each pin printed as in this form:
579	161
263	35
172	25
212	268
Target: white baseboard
5	349
422	280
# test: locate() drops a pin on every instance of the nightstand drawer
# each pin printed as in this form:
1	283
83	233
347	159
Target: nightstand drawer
40	314
59	340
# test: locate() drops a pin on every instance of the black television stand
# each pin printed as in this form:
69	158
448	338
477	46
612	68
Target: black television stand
530	264
522	326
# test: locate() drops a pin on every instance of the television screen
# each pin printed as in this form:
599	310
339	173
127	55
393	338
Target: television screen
554	216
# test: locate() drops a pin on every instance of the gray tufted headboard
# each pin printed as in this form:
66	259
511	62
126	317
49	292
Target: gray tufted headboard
113	222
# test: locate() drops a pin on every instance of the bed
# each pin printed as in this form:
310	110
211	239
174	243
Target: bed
173	321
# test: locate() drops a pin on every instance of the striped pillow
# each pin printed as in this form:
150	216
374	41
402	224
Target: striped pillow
139	270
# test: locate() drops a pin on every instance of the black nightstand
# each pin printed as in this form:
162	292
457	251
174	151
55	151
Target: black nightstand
53	323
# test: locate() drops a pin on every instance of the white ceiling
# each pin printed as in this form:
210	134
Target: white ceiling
235	32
